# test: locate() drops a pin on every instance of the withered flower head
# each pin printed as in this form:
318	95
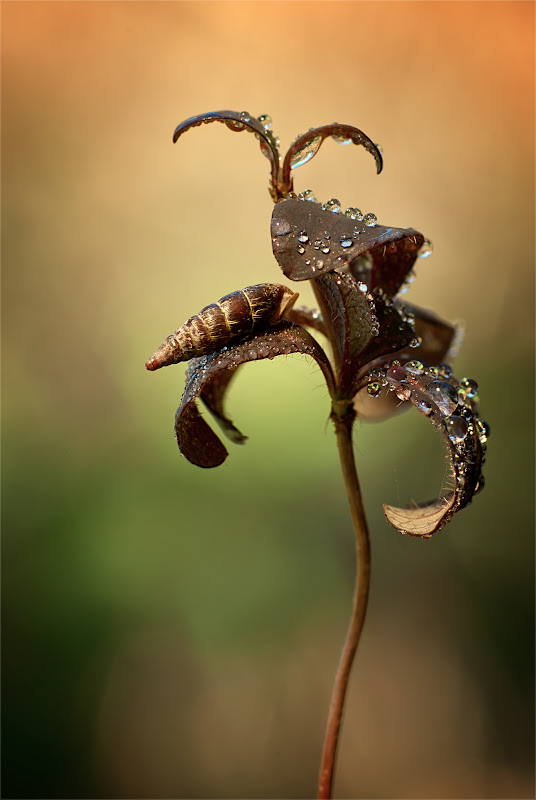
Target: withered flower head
385	355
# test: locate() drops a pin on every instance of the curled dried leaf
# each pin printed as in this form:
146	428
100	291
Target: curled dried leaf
450	406
435	339
208	377
238	121
213	396
308	144
389	259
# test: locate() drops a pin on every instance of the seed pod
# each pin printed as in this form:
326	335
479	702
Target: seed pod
233	316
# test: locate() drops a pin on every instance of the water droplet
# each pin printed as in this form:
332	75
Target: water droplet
345	240
280	227
415	367
341	140
353	213
319	263
364	288
424	407
370	220
326	249
482	429
456	428
403	392
305	152
444	396
445	369
265	150
333	205
327	235
469	386
480	484
397	373
234	125
301	249
266	121
244	115
307	195
415	342
379	148
302	237
317	244
374	389
426	249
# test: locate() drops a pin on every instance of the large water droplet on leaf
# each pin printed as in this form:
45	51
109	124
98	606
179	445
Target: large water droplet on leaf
234	125
370	220
374	389
266	121
469	386
342	139
333	205
426	249
415	367
307	195
424	407
482	430
305	152
280	227
444	396
456	428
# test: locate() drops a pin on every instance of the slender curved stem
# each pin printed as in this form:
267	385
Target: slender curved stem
343	428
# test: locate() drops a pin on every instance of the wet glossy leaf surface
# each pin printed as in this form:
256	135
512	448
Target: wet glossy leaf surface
308	240
210	375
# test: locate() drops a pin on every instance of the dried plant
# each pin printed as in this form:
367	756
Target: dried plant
385	354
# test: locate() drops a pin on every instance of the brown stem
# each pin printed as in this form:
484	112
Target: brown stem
343	427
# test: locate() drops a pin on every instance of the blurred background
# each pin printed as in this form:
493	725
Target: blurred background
174	632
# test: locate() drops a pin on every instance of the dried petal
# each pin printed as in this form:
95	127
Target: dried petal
437	338
196	440
391	249
392	255
395	333
351	324
213	396
455	416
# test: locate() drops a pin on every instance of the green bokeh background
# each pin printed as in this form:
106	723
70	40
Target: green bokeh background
174	632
